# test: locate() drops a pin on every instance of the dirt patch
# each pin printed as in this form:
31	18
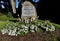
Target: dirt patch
42	36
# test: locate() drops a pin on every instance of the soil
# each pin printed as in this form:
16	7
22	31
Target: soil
41	36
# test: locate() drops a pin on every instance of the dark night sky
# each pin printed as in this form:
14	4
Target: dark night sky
47	11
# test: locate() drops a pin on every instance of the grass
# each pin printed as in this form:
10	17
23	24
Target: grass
56	25
3	23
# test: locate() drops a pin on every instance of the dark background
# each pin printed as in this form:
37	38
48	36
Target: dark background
46	10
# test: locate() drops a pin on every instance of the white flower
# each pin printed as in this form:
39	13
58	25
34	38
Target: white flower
4	31
24	27
13	33
26	21
10	31
38	24
22	30
32	27
32	30
36	28
18	32
26	31
52	28
47	29
14	24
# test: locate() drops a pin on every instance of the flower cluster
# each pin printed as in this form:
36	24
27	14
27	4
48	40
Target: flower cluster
20	28
47	25
15	29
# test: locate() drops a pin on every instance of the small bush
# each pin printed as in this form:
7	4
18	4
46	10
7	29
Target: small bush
9	14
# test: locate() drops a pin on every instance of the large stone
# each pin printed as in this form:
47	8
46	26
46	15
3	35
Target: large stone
28	10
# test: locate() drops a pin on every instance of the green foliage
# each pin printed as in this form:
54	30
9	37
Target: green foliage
39	30
9	14
3	17
22	33
3	23
19	24
56	25
6	16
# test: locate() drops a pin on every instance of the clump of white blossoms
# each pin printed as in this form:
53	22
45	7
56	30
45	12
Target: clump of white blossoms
4	31
14	29
24	28
12	32
33	28
48	26
19	28
10	29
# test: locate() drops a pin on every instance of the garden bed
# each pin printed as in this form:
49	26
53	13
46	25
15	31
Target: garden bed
41	36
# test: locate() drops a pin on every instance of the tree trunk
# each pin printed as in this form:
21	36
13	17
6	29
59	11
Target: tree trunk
13	6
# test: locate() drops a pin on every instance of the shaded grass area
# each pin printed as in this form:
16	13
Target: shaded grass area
2	23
